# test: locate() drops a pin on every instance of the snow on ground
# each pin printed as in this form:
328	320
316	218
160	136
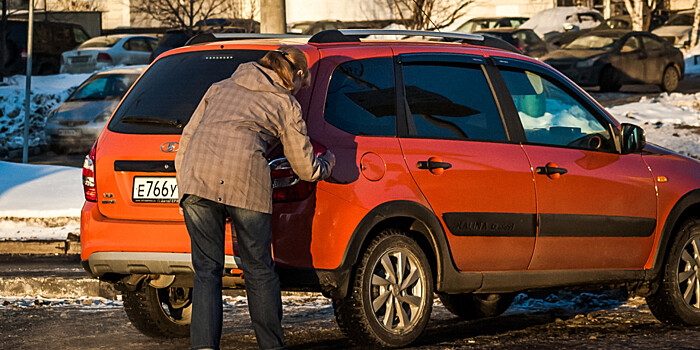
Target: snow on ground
45	191
671	121
47	93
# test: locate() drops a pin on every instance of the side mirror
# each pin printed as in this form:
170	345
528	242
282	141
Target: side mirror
633	138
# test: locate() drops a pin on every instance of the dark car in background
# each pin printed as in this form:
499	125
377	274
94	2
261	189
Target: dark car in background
612	58
481	23
616	22
50	40
311	27
179	37
523	39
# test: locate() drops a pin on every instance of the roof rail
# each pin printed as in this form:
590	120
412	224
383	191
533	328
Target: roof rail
212	37
365	32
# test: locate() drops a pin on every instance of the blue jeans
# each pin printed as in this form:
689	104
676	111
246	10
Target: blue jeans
206	222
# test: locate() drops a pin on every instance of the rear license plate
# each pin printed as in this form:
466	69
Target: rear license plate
80	59
150	189
68	132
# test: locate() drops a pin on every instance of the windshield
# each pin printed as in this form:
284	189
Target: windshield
167	94
594	42
478	24
103	87
101	41
681	20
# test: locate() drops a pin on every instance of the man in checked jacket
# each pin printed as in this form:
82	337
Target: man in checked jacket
222	171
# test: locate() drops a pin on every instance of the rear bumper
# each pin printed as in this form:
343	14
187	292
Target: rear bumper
142	263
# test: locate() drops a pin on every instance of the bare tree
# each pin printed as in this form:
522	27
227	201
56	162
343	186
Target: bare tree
640	11
246	9
183	13
696	24
74	5
429	14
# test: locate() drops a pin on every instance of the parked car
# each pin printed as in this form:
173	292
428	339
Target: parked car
481	23
75	124
677	29
50	39
524	40
611	58
107	51
313	27
463	170
616	22
560	19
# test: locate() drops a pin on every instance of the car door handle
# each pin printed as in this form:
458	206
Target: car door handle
430	165
552	170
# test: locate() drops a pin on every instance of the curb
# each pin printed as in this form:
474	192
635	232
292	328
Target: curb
40	247
56	287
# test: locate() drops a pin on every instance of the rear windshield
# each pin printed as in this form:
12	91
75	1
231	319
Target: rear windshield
163	100
99	42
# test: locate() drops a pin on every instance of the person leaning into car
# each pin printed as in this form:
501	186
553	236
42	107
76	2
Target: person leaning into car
222	171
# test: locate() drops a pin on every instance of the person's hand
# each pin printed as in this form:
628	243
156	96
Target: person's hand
329	157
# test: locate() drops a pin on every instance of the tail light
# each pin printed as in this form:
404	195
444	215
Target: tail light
89	176
286	186
23	55
103	57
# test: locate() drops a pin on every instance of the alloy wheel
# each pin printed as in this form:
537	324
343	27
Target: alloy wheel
689	273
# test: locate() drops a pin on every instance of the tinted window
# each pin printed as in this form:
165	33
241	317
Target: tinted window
452	102
137	44
103	87
632	44
80	35
361	97
652	44
165	97
552	116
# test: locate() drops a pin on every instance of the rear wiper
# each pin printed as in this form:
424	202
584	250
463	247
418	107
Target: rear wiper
152	120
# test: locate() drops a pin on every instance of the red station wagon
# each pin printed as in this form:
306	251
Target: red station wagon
462	170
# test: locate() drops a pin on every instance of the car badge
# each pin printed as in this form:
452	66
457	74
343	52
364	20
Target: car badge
170	147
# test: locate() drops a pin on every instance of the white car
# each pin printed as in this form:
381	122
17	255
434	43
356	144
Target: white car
106	51
677	29
561	19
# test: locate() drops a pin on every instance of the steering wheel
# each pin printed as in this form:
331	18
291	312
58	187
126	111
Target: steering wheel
589	141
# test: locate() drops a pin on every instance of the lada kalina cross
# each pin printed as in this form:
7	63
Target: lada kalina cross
465	171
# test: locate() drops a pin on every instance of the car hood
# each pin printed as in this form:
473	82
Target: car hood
84	110
572	54
672	30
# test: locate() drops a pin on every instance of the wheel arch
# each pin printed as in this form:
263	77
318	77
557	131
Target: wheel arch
418	221
686	207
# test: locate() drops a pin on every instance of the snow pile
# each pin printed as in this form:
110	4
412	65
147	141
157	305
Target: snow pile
81	302
47	93
553	19
47	229
48	191
692	61
671	121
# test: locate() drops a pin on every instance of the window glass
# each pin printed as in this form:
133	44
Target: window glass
452	102
632	44
137	44
652	44
80	36
103	87
552	116
361	97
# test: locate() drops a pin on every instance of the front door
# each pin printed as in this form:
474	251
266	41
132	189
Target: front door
596	207
457	150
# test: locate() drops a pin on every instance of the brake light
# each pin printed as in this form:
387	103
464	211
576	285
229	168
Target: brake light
89	175
103	57
23	55
286	186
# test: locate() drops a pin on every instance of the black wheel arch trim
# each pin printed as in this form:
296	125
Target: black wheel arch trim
672	221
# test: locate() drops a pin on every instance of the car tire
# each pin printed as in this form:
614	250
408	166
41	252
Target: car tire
470	306
677	299
609	81
394	271
160	313
670	79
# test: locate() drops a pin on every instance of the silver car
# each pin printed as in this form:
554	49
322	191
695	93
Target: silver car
75	124
107	51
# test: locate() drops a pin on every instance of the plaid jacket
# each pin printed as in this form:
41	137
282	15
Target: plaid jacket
222	149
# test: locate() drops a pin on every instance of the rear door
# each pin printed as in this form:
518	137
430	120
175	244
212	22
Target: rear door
596	207
458	151
135	172
656	59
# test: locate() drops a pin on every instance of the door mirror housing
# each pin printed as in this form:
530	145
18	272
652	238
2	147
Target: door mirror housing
633	138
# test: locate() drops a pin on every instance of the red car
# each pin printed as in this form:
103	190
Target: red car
461	169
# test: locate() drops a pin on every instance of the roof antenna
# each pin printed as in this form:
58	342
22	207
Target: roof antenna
426	16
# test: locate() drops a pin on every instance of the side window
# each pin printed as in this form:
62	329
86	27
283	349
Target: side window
362	99
451	102
79	35
631	45
137	44
552	116
152	43
651	44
